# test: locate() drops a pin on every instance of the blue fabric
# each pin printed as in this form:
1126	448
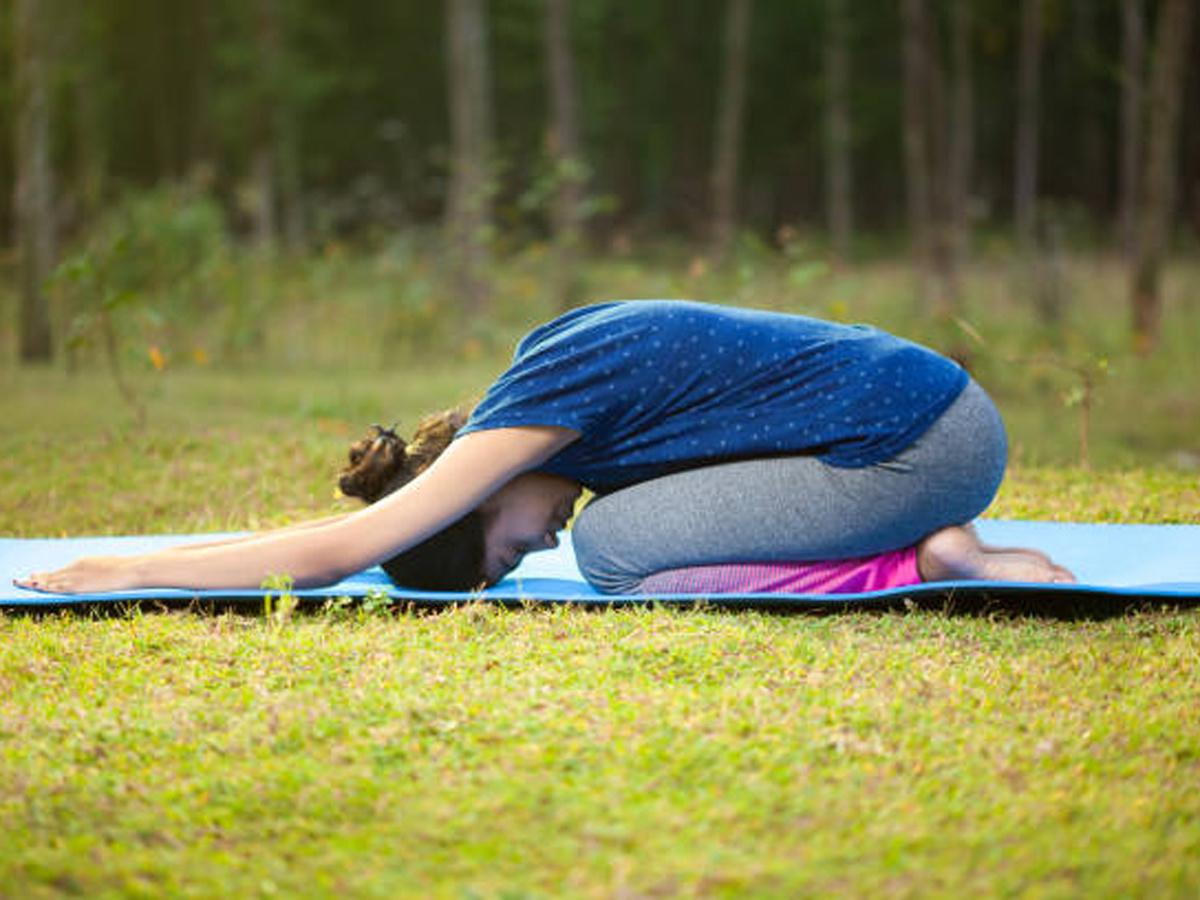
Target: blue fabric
657	386
1118	561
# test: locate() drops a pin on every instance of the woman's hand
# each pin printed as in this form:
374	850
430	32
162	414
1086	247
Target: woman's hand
91	574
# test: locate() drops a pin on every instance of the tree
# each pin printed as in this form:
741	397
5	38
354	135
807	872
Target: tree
200	149
926	157
1025	182
1159	177
468	206
731	104
86	79
266	125
1133	52
33	197
1091	178
916	151
962	132
838	205
564	148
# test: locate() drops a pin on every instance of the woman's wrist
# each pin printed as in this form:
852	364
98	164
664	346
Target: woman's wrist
130	571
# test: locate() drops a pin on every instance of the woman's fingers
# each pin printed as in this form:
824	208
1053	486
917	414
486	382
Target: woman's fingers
30	582
38	581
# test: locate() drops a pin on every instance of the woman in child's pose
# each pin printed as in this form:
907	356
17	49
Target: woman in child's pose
727	447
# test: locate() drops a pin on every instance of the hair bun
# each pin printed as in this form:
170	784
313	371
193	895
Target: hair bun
376	463
382	462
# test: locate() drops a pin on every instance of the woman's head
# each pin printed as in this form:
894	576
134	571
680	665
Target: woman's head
523	517
384	462
483	545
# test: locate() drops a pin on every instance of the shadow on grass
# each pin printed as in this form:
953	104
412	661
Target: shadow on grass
1058	605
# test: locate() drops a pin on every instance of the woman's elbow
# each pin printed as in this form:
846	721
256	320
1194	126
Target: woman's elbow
317	576
324	559
321	570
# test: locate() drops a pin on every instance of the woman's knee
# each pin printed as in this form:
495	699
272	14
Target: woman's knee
962	457
990	444
595	536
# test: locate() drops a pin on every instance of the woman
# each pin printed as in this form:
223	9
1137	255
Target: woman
711	435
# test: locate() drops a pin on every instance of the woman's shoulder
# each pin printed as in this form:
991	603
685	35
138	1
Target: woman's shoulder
596	321
631	313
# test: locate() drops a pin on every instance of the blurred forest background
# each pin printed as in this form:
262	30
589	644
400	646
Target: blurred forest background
288	182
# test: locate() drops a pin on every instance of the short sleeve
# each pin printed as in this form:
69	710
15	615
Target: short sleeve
570	379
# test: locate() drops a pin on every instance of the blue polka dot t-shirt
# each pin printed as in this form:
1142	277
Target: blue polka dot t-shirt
656	386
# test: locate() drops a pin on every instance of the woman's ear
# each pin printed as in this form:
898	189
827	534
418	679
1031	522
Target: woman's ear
491	507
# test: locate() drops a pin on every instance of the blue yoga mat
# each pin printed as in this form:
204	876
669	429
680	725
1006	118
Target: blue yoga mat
1129	561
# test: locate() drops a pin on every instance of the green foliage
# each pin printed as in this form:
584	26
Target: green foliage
151	265
552	175
376	602
278	600
354	95
346	325
1086	370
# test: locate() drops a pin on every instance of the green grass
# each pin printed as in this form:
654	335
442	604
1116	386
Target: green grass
483	752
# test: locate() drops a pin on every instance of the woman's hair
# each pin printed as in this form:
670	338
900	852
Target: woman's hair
382	462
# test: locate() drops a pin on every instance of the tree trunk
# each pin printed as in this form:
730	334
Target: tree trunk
33	201
838	204
1158	188
159	22
468	206
730	106
926	154
962	134
681	177
87	121
201	142
1133	61
916	154
564	152
1028	88
291	185
1091	177
621	159
941	189
264	161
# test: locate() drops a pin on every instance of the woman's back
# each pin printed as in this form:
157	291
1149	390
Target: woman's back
656	386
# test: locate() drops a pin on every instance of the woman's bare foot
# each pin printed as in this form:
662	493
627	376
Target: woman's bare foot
956	553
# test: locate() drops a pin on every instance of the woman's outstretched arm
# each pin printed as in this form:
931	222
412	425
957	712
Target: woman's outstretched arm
465	475
224	542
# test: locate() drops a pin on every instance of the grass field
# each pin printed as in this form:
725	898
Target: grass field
648	752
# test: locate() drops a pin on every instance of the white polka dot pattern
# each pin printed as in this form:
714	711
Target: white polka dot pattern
715	383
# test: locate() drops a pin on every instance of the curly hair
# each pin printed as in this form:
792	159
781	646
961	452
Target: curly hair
383	462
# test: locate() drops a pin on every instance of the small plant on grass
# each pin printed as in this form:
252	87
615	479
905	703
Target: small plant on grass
1082	395
1086	368
336	608
147	265
376	603
278	609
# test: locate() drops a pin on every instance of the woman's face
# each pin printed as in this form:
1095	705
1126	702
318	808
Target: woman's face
525	516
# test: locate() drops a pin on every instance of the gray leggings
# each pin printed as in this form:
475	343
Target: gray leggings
796	508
